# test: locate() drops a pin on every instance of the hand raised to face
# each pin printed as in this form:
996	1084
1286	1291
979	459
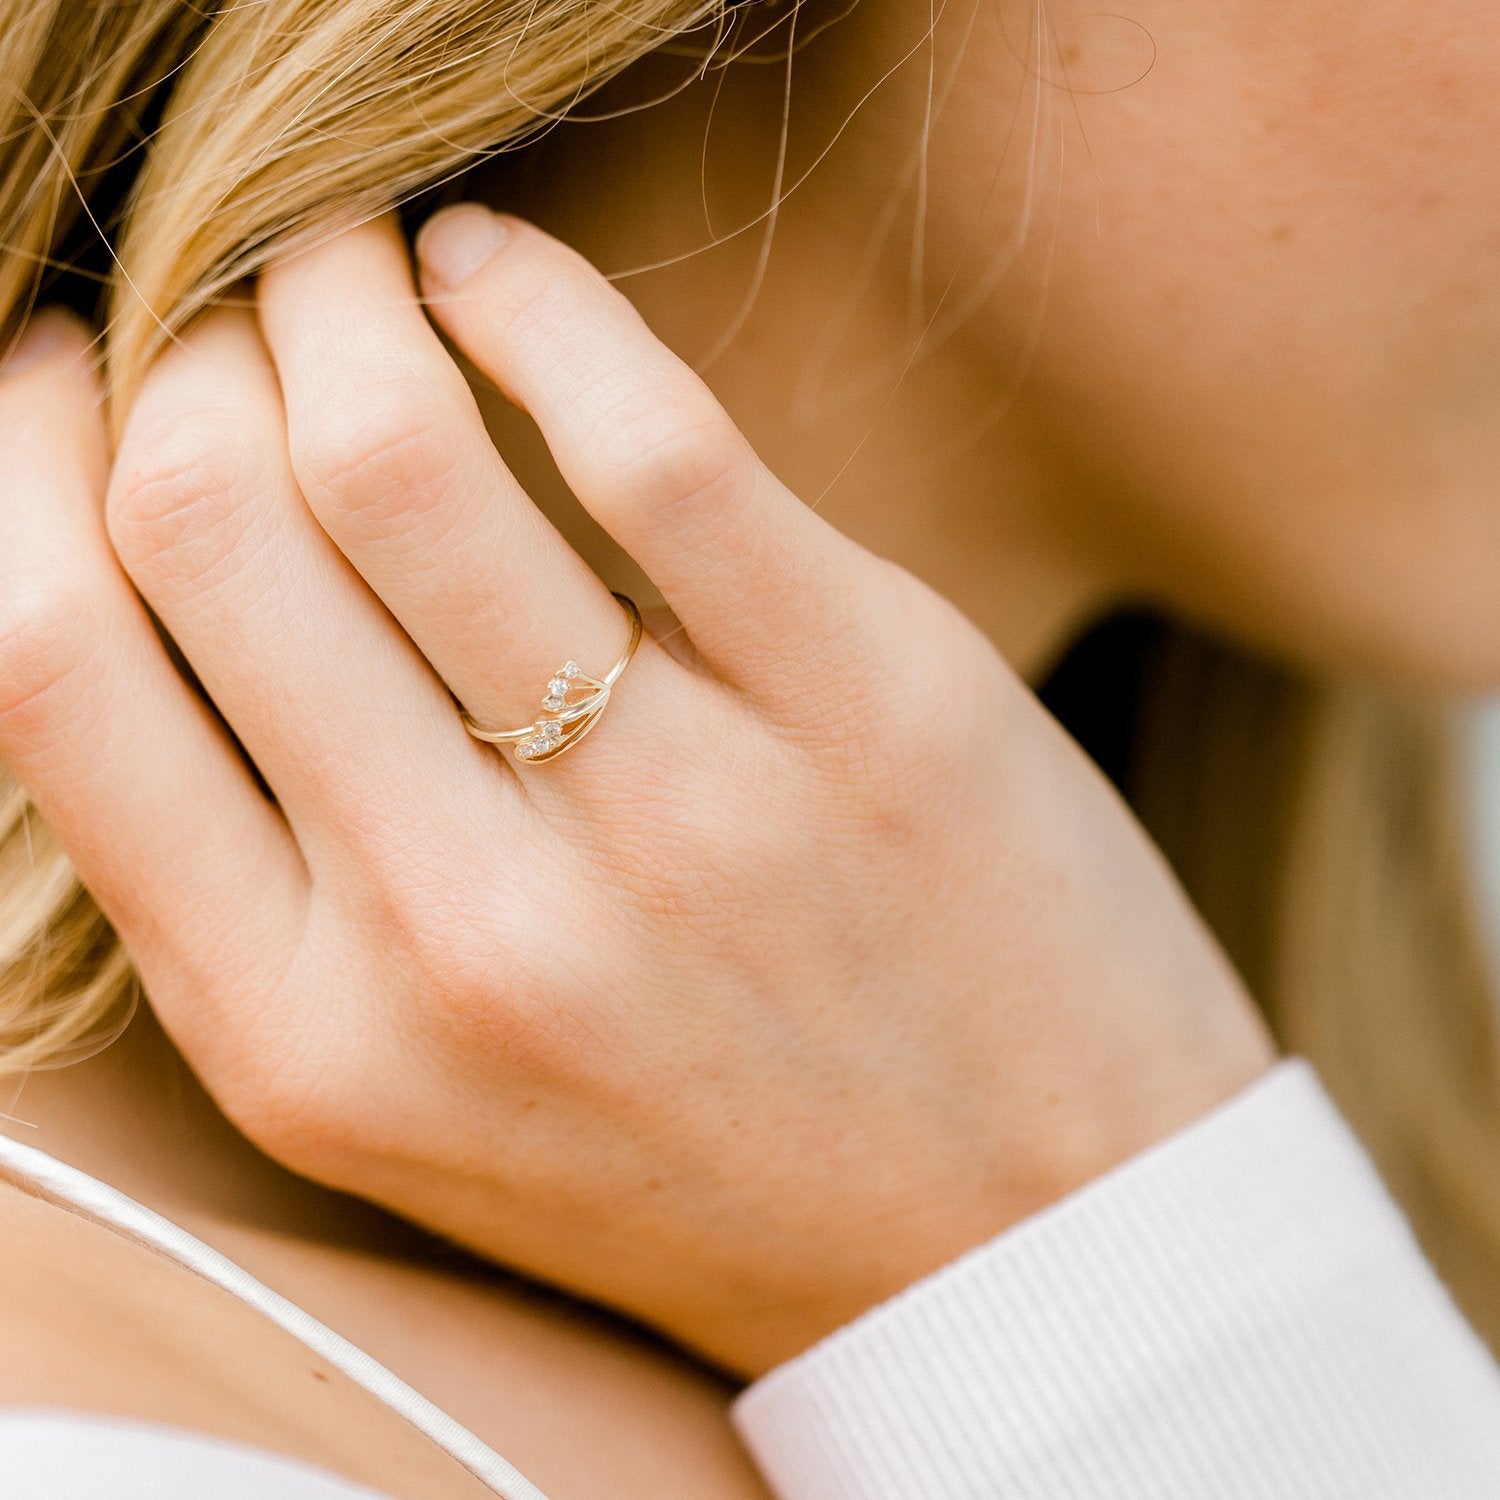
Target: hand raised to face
825	957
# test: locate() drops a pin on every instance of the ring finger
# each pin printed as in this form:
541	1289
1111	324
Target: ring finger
393	457
330	699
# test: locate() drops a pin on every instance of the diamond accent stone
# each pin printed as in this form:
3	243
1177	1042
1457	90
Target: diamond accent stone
546	735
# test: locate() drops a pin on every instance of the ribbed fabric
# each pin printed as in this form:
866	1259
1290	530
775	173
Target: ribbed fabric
1238	1312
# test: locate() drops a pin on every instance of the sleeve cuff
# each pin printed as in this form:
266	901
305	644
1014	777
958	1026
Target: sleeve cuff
1239	1311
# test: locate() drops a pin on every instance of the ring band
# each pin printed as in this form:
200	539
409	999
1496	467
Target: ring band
546	739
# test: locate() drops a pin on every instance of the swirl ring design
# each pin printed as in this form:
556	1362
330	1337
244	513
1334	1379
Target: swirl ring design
568	718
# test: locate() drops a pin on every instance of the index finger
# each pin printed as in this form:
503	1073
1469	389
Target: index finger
140	783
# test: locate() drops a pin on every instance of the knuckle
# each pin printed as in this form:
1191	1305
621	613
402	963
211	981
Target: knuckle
669	455
179	506
296	1105
902	738
532	303
916	758
379	458
47	635
882	798
490	992
531	1023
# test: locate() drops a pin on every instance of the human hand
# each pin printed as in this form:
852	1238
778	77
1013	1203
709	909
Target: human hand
827	956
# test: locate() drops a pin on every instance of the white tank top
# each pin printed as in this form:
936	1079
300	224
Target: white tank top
58	1455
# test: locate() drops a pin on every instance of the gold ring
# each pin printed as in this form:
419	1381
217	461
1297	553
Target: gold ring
571	719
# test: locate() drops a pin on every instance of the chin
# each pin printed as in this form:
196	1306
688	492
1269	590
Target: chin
1443	641
1435	622
1426	631
1397	581
1453	664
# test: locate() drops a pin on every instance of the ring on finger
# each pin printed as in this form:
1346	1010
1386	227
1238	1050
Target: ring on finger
569	719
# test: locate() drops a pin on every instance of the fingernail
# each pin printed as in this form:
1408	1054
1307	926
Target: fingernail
455	242
47	332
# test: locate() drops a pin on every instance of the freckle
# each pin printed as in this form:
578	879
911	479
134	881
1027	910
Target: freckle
319	1375
1070	53
1281	234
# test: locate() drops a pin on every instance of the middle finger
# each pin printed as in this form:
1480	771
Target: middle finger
333	703
392	454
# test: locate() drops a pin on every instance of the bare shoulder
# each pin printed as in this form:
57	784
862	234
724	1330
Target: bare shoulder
91	1321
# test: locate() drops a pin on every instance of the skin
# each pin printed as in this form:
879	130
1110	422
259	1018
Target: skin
580	1402
1260	340
1247	362
540	1016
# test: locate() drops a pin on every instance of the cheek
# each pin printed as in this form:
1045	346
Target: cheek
1271	348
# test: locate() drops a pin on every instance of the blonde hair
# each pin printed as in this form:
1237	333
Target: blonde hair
1325	829
201	145
1317	824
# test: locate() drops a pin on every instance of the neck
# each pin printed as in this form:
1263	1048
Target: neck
809	324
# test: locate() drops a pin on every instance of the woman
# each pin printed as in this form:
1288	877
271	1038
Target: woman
827	958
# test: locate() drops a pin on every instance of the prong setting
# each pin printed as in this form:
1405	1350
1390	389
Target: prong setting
574	712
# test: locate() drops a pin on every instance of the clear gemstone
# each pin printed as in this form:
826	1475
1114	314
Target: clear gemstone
525	750
558	687
552	730
552	702
570	669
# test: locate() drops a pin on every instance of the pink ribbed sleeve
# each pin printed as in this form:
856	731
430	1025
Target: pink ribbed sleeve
1239	1311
